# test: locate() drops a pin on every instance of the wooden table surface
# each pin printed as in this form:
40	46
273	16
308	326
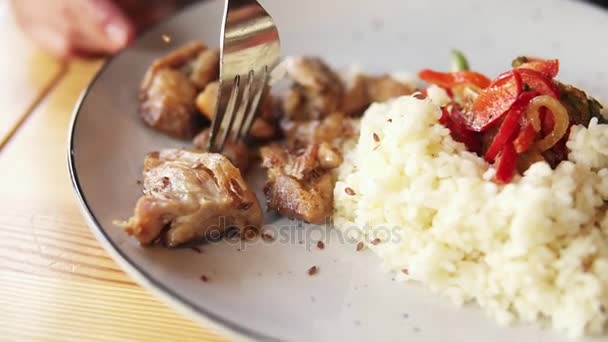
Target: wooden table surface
57	283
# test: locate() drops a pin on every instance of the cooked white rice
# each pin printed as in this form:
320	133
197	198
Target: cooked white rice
533	250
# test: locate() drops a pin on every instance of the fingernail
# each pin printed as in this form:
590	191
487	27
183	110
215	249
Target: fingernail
118	34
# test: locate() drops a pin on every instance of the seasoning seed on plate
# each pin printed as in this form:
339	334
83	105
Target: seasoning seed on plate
405	271
375	241
320	245
360	246
376	137
204	278
349	191
267	237
419	96
197	249
248	234
313	270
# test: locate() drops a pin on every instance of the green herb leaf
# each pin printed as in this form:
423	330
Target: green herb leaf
459	61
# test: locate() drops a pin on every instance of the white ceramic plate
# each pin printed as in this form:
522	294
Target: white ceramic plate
263	291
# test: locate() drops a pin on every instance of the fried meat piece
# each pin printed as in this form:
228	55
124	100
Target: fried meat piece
167	94
205	68
168	104
383	88
356	96
332	127
175	60
316	92
262	127
300	184
206	99
236	151
363	90
188	196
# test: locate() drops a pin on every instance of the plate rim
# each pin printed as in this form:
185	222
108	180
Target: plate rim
224	326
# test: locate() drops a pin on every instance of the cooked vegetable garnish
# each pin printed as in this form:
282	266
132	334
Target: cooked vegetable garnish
537	81
451	79
522	116
495	101
510	126
560	120
507	164
548	68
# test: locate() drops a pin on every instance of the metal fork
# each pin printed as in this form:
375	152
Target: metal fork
249	49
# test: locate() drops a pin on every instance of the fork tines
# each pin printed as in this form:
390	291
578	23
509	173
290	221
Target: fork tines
250	50
243	99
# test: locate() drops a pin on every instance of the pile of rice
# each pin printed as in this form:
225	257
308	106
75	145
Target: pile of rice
533	250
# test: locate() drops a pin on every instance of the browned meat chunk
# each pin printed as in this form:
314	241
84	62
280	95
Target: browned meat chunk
334	126
300	184
581	108
261	128
205	68
168	104
317	90
356	98
363	90
188	196
176	59
383	88
237	152
205	101
168	91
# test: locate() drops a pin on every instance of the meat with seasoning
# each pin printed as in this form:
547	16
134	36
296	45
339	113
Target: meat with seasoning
205	68
316	90
363	90
168	104
263	127
174	60
189	195
169	90
167	94
236	151
300	183
332	127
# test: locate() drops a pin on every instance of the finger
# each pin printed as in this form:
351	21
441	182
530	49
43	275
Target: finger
101	26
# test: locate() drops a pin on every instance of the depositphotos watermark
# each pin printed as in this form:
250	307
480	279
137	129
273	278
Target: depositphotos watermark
300	234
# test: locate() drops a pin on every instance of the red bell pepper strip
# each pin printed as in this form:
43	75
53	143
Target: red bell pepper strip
547	67
536	81
450	79
524	139
507	164
502	79
509	126
493	102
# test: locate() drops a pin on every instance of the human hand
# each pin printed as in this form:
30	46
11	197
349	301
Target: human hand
87	27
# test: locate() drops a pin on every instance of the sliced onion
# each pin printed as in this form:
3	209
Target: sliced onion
528	158
560	118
